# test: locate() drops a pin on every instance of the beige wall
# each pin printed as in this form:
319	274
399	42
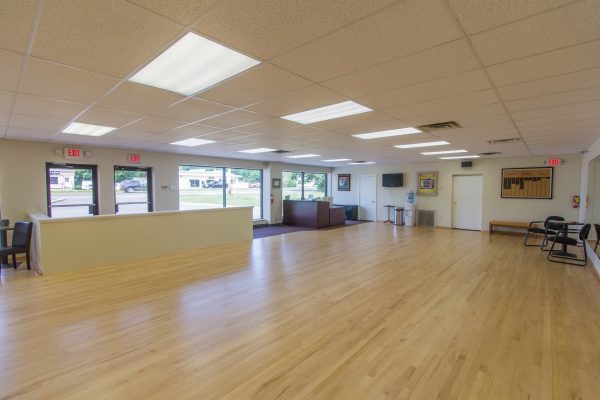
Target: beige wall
566	185
72	244
23	180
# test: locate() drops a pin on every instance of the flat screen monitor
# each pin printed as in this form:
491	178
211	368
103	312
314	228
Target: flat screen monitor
392	180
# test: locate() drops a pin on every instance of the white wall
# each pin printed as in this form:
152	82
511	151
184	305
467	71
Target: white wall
23	175
566	185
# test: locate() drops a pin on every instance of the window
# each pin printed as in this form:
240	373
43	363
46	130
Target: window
133	190
71	190
213	187
304	185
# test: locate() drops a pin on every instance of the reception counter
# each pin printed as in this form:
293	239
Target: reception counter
70	244
312	214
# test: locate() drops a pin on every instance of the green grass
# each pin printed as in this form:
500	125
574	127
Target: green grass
214	196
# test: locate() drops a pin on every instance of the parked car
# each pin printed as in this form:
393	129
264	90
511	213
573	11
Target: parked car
214	184
87	185
132	186
254	185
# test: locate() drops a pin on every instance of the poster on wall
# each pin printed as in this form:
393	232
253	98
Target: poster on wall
427	183
527	183
344	182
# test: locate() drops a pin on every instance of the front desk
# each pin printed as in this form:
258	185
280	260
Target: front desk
312	214
70	244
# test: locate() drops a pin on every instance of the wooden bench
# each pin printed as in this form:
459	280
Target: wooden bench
508	224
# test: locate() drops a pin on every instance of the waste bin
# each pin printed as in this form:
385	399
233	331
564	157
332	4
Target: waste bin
399	216
409	214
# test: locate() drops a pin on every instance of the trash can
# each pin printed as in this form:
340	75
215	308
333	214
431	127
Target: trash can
399	216
409	214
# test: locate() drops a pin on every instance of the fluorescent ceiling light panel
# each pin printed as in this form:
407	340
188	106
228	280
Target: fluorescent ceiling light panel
362	163
77	128
426	144
457	157
383	134
433	153
328	112
338	160
305	156
259	150
192	64
192	142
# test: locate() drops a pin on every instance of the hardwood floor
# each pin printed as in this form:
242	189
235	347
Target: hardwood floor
365	312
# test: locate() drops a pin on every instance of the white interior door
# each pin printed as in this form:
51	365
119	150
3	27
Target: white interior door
367	198
467	201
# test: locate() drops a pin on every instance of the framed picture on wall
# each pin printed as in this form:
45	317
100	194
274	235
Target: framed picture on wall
344	182
427	183
276	183
527	183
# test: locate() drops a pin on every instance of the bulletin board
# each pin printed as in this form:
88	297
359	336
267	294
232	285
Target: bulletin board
527	183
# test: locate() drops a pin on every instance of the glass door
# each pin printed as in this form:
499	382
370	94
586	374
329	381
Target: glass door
72	190
133	190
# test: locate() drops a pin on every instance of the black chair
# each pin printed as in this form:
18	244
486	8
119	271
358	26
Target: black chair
21	243
549	230
561	239
597	228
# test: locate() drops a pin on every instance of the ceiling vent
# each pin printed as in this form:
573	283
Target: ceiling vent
359	162
490	153
281	151
440	125
502	141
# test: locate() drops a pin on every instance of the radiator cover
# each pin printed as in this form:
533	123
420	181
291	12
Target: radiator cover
425	218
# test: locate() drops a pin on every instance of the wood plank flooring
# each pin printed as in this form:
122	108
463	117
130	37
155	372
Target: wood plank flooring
365	312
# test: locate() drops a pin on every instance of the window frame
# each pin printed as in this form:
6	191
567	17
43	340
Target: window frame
95	207
149	187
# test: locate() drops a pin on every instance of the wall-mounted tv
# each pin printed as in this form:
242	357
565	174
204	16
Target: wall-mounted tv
392	180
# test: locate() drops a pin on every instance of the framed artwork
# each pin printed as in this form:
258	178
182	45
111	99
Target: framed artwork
427	183
276	183
527	183
344	182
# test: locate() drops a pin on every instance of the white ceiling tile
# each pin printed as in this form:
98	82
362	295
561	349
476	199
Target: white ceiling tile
182	11
566	26
552	120
562	61
140	99
6	100
257	84
106	117
480	15
46	79
10	64
37	123
447	59
557	110
266	28
300	100
130	133
28	134
555	84
234	118
194	130
361	123
155	125
556	99
17	18
3	120
111	37
463	101
45	107
414	25
192	110
465	82
228	135
270	126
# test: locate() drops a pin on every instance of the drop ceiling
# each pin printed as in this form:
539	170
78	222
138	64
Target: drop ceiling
500	68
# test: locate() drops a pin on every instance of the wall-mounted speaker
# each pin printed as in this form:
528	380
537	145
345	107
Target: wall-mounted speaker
466	164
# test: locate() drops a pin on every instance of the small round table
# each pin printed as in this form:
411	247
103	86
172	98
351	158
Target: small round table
389	207
565	232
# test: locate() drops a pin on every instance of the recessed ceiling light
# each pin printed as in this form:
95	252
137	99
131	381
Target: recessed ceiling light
457	157
259	150
433	153
361	162
304	156
191	64
193	142
426	144
78	128
337	160
328	112
391	132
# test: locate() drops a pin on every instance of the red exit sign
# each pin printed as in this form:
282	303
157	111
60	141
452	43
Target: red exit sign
72	154
553	162
134	158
